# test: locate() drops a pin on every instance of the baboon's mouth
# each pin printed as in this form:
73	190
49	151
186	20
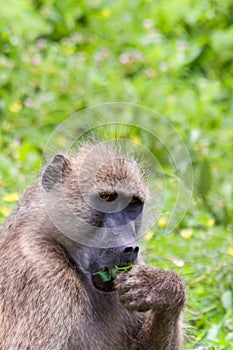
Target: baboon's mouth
107	286
104	279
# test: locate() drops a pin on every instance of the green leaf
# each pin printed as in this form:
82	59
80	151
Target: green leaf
226	299
109	273
104	274
214	332
204	179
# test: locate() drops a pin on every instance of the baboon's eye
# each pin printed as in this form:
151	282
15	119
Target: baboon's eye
109	196
135	202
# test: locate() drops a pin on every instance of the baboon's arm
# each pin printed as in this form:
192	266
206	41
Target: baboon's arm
160	332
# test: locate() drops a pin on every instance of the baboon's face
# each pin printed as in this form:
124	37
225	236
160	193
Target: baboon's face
116	210
105	200
116	224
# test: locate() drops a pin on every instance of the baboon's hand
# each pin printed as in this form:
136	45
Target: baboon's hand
145	288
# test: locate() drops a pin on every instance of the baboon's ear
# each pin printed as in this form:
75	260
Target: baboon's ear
55	172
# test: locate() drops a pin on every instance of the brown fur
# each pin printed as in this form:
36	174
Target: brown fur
47	298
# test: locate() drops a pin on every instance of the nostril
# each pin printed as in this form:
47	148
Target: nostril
128	250
131	251
135	253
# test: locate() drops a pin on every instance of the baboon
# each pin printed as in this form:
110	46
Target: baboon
51	295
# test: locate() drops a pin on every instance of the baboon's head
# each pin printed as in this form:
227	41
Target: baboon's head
96	198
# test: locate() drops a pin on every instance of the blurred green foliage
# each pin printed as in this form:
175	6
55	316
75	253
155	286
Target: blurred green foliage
58	57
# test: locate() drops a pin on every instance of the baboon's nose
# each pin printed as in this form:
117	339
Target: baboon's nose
130	254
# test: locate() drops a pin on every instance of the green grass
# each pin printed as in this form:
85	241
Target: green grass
174	57
204	260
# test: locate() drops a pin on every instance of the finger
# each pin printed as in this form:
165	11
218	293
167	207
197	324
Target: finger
124	286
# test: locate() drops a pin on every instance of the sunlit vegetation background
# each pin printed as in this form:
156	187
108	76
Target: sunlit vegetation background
173	56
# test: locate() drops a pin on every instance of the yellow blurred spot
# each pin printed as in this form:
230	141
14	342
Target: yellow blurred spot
11	197
230	251
149	235
137	140
62	141
162	222
106	12
159	185
5	211
15	107
210	222
68	49
186	233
